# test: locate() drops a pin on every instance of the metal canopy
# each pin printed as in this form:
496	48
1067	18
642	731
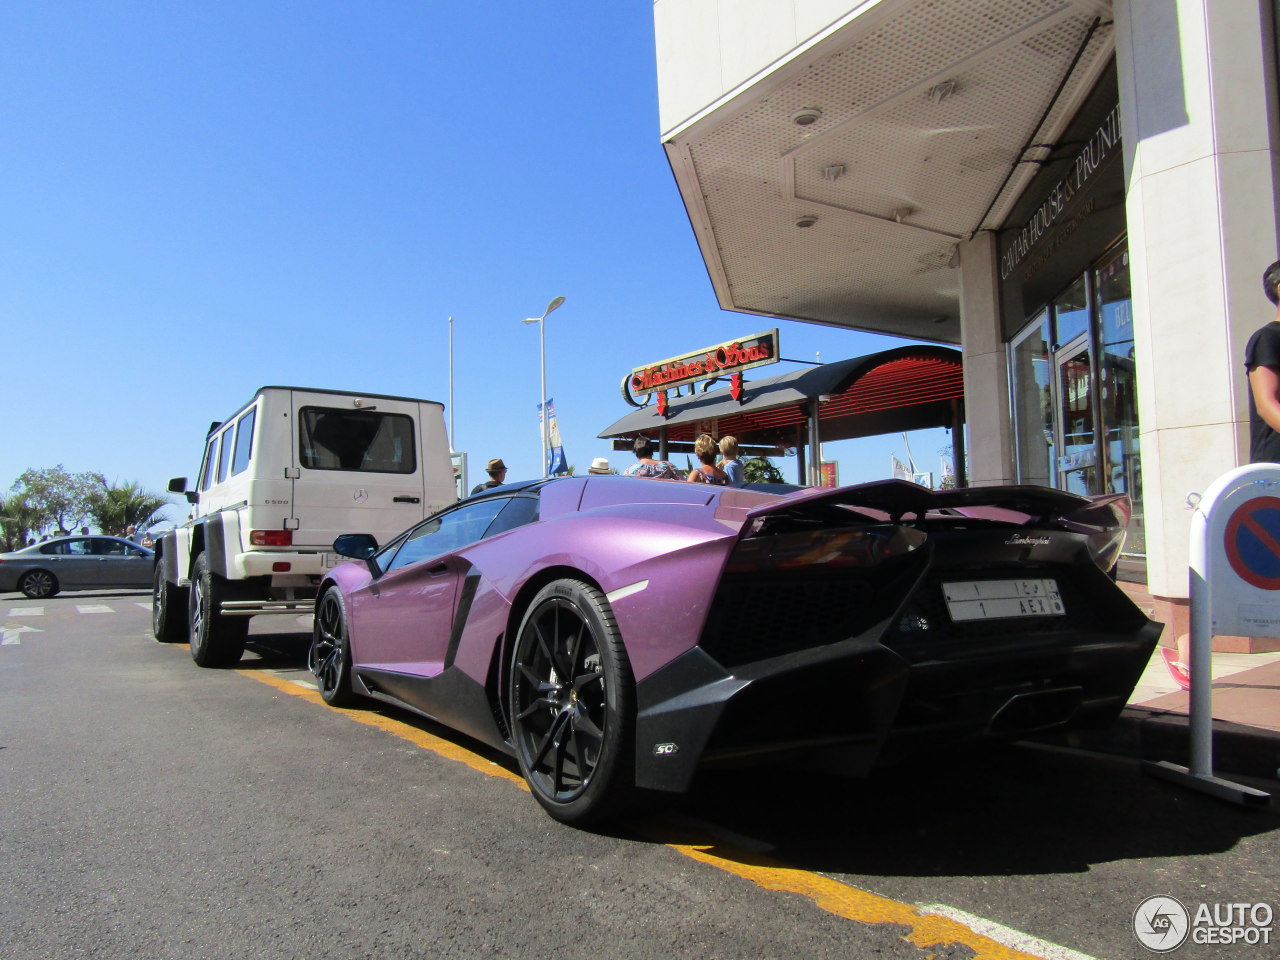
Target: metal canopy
923	122
907	388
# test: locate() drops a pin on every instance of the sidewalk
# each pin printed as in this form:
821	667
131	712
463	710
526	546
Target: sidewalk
1246	711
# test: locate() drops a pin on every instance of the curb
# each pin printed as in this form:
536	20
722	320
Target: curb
1142	733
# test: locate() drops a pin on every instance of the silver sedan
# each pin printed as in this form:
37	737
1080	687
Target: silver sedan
75	563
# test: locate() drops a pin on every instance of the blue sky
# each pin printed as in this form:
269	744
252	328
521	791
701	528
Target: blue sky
201	199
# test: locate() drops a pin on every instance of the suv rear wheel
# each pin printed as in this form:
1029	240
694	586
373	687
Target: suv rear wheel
216	639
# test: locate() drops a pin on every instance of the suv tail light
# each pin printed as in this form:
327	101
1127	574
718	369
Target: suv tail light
271	538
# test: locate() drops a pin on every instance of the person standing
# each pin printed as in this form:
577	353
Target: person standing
497	471
731	464
646	466
1262	363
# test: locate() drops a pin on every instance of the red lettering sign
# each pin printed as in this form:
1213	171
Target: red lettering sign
722	359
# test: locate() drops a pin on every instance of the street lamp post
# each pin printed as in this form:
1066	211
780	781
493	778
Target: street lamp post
542	353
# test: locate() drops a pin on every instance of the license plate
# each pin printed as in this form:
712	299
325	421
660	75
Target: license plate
1003	599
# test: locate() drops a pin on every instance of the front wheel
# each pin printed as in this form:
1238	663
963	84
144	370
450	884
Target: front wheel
216	639
38	585
329	658
572	700
168	604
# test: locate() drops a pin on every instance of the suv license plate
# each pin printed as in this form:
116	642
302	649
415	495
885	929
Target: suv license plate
1002	599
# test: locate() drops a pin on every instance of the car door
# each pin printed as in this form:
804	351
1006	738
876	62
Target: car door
73	562
120	564
402	620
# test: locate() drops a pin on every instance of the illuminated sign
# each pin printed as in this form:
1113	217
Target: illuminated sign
720	360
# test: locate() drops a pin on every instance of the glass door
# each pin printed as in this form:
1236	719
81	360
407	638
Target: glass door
1033	420
1078	460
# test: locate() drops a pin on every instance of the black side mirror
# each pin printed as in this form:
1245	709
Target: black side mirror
178	485
357	546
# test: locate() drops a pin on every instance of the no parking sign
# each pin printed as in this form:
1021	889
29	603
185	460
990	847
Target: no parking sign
1235	552
1235	591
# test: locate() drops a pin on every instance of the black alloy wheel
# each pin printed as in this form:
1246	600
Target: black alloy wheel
38	584
329	657
572	700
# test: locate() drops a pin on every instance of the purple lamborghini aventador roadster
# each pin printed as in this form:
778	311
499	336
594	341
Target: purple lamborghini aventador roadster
616	634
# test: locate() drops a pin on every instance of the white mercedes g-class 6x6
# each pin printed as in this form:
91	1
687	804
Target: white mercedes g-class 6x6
282	477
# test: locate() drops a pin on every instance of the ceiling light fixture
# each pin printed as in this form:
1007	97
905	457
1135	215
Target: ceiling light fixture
805	116
808	220
940	91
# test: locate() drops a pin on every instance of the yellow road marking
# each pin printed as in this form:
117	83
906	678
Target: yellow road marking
926	930
405	731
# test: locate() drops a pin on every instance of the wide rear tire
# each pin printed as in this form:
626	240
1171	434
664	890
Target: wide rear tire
572	698
168	609
329	658
216	640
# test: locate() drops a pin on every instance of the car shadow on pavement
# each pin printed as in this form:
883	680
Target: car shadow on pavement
1019	810
276	651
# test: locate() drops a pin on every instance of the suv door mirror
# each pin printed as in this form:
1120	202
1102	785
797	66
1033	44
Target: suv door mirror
178	485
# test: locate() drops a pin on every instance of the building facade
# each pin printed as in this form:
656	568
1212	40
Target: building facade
1080	194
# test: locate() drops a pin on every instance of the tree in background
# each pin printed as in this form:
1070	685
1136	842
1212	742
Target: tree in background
761	470
17	523
116	508
53	498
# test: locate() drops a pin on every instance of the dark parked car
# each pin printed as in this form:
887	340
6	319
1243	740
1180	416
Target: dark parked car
616	633
75	563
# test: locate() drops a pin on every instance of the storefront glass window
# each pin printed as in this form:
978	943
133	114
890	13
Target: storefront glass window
1071	314
1119	387
1074	394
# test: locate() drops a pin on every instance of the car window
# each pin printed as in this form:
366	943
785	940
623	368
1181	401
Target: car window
224	458
517	512
210	455
58	548
359	440
80	547
447	532
108	547
244	441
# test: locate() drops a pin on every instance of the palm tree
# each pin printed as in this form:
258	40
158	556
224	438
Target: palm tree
116	508
761	470
17	522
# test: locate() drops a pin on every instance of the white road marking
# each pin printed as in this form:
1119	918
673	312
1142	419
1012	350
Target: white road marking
93	608
9	634
145	606
26	611
1014	939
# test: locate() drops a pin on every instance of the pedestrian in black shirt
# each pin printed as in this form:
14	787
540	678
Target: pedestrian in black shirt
1262	361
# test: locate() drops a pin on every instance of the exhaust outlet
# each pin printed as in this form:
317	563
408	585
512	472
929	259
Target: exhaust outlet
1035	711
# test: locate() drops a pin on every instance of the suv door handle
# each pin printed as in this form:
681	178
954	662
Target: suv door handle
406	500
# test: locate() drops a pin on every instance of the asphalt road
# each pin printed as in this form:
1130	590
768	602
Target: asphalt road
151	809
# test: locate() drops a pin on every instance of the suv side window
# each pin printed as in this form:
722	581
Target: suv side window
244	441
224	457
210	458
